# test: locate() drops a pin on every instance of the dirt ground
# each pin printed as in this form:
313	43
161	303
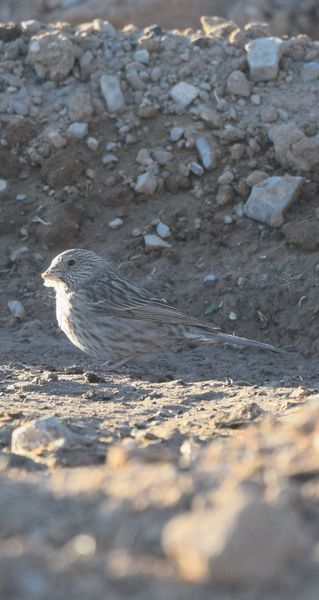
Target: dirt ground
86	510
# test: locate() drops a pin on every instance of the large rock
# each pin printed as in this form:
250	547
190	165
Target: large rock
293	148
52	55
263	57
270	198
243	541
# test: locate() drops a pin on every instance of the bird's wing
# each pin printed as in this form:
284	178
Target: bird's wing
117	297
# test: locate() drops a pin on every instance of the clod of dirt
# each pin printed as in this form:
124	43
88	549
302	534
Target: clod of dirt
304	233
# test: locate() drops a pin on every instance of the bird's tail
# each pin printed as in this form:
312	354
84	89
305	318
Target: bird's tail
215	336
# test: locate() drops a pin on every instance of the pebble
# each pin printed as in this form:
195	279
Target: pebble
3	186
263	55
77	130
21	197
109	159
293	148
238	84
92	143
116	223
154	242
176	133
310	71
144	158
270	198
17	309
163	230
196	169
204	153
80	107
184	94
17	253
20	108
146	184
142	56
112	93
40	433
211	278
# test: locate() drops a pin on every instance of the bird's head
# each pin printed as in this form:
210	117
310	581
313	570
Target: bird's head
72	267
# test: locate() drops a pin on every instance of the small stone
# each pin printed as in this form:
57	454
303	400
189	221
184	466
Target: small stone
21	197
17	309
116	223
142	56
109	159
270	198
144	158
263	55
154	242
3	186
196	169
18	252
20	108
209	115
225	195
310	71
256	177
162	157
146	184
56	139
112	93
176	133
211	278
80	107
92	143
40	433
238	84
204	153
255	99
232	316
77	130
163	230
184	94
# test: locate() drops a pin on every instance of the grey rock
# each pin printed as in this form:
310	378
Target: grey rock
4	186
112	93
293	148
17	309
20	108
52	55
176	133
263	55
270	198
196	169
310	71
146	184
184	94
204	153
142	56
80	107
40	433
116	223
238	84
77	130
163	231
154	242
92	143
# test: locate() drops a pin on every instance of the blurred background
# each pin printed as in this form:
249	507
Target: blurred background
285	17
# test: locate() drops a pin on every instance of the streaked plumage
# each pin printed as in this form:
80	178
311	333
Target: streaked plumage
112	319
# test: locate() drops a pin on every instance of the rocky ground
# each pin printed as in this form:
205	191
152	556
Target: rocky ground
190	161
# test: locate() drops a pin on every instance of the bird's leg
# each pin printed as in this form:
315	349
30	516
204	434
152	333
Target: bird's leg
118	366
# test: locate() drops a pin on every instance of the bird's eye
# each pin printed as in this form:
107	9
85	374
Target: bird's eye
71	262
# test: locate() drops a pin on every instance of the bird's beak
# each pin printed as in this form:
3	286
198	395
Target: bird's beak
51	277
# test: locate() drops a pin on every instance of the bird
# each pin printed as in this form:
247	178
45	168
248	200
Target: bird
116	321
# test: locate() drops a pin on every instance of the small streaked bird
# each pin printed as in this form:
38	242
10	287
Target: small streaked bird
116	321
